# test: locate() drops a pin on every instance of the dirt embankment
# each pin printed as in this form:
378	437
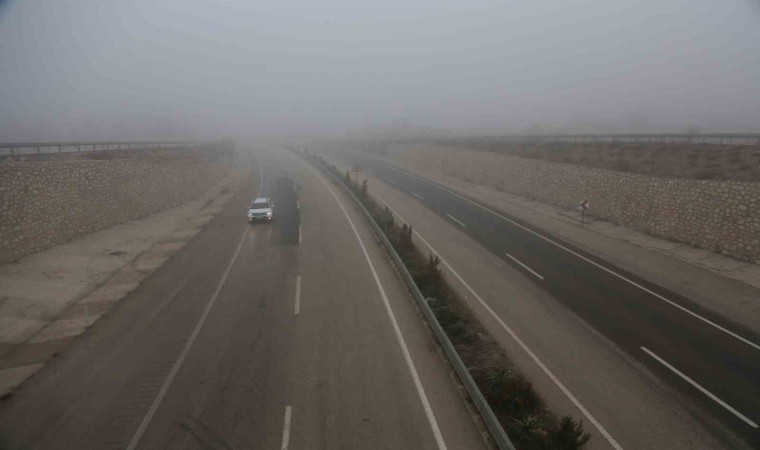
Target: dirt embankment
60	197
673	160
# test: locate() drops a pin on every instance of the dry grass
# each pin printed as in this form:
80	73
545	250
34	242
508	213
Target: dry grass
695	161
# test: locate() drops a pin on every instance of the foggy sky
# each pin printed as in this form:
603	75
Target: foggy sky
145	69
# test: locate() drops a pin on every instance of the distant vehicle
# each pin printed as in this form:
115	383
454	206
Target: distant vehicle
262	209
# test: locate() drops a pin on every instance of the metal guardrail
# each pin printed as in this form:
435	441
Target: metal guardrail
28	148
658	138
683	138
495	429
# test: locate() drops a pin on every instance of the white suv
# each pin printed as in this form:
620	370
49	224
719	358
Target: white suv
261	209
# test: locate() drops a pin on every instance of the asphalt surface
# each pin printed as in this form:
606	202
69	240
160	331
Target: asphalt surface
256	337
723	365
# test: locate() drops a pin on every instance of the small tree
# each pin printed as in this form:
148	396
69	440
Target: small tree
529	429
405	240
570	435
432	268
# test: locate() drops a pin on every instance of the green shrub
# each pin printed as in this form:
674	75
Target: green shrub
569	435
529	431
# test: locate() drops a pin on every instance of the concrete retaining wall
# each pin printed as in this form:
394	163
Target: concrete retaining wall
43	204
722	216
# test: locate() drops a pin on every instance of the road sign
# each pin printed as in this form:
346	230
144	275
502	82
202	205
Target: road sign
584	207
356	169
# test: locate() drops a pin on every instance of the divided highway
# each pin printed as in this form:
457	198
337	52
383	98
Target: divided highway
292	335
708	359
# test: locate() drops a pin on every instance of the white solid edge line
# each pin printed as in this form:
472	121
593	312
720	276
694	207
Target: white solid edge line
298	295
701	389
178	364
524	266
519	341
286	429
417	195
456	220
397	331
298	205
300	234
708	321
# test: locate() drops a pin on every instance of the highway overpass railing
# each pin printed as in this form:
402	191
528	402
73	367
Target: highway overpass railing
29	148
496	431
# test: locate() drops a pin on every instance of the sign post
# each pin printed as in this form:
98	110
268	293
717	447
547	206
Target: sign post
356	169
443	164
584	206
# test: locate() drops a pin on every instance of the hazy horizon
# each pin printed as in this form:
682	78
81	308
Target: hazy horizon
97	70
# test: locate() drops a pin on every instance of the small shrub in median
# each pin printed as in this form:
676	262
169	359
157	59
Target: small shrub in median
515	403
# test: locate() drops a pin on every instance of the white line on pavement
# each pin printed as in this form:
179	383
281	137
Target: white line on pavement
703	319
701	389
178	364
514	336
399	337
456	220
391	182
298	205
286	430
298	295
524	266
300	234
417	195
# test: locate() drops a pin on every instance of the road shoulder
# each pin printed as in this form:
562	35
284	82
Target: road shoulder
53	296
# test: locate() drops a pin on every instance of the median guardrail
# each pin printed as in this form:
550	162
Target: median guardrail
497	433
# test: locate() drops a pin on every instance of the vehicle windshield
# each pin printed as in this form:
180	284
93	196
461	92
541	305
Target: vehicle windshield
259	205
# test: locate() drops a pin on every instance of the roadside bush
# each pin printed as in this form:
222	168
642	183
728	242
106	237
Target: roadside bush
569	435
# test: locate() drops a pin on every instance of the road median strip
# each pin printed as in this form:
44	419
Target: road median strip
504	399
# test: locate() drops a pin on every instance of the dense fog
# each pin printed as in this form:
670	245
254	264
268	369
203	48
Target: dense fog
145	69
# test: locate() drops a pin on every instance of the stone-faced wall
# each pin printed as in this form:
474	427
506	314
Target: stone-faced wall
43	204
722	216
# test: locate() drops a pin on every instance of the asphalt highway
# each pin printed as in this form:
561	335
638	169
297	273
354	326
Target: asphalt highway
707	358
290	335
